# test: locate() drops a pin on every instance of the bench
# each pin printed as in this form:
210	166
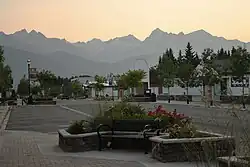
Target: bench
128	134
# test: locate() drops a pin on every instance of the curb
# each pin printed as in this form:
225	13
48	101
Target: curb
5	119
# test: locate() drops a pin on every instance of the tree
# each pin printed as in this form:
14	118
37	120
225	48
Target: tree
77	88
47	80
167	70
99	85
6	80
239	66
23	87
36	90
133	78
154	75
187	64
206	74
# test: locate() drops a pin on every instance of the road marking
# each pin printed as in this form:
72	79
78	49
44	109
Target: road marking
76	111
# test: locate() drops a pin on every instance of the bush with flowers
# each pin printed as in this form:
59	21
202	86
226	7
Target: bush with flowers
176	124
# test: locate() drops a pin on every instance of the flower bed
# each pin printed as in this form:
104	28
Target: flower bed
203	146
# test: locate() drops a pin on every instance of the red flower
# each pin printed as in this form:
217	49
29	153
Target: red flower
150	113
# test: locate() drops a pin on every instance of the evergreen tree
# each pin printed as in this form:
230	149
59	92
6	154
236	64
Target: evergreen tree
23	87
167	70
187	64
240	62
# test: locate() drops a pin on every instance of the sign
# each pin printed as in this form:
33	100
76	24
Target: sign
33	74
236	83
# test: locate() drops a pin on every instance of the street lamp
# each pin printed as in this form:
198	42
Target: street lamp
148	70
28	63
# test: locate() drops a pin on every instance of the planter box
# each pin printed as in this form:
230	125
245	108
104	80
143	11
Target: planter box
205	148
234	161
90	141
79	142
129	140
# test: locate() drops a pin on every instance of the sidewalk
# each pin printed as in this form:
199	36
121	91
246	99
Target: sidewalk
33	149
202	104
3	113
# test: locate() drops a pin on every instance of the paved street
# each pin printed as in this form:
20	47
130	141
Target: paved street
41	118
30	139
224	121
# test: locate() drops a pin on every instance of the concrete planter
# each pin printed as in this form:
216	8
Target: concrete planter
234	161
205	148
78	143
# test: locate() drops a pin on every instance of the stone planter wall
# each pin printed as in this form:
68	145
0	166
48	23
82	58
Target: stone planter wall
234	161
77	143
192	149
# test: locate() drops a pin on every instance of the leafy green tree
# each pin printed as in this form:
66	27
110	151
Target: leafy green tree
187	64
133	78
240	62
23	87
99	85
167	70
206	74
54	90
47	80
154	75
36	90
77	88
6	80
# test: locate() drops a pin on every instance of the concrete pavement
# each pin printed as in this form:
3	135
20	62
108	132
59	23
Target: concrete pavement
30	141
225	121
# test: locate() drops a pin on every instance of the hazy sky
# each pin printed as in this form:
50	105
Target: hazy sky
81	20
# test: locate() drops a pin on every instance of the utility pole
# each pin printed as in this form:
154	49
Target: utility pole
28	63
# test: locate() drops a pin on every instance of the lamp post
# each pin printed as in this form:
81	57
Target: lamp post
28	63
148	70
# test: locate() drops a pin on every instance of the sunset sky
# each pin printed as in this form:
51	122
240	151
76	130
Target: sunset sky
82	20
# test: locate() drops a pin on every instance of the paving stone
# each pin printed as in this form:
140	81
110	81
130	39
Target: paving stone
20	149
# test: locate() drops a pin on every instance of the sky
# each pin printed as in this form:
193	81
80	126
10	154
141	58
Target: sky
82	20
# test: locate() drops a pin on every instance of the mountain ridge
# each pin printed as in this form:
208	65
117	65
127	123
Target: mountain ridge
95	56
33	31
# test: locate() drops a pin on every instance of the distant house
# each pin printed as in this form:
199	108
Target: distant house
228	87
109	90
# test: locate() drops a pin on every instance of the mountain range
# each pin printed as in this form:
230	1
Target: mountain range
100	57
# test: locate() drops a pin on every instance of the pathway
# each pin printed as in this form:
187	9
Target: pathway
29	141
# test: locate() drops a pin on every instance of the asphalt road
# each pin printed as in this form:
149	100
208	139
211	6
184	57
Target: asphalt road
219	120
46	119
49	119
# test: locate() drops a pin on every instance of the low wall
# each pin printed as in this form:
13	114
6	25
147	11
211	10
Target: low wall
234	161
204	148
77	143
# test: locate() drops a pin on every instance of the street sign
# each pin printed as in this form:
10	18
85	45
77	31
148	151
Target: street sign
33	74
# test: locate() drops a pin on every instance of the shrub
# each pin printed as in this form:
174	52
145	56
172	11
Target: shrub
186	130
176	124
79	127
124	110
